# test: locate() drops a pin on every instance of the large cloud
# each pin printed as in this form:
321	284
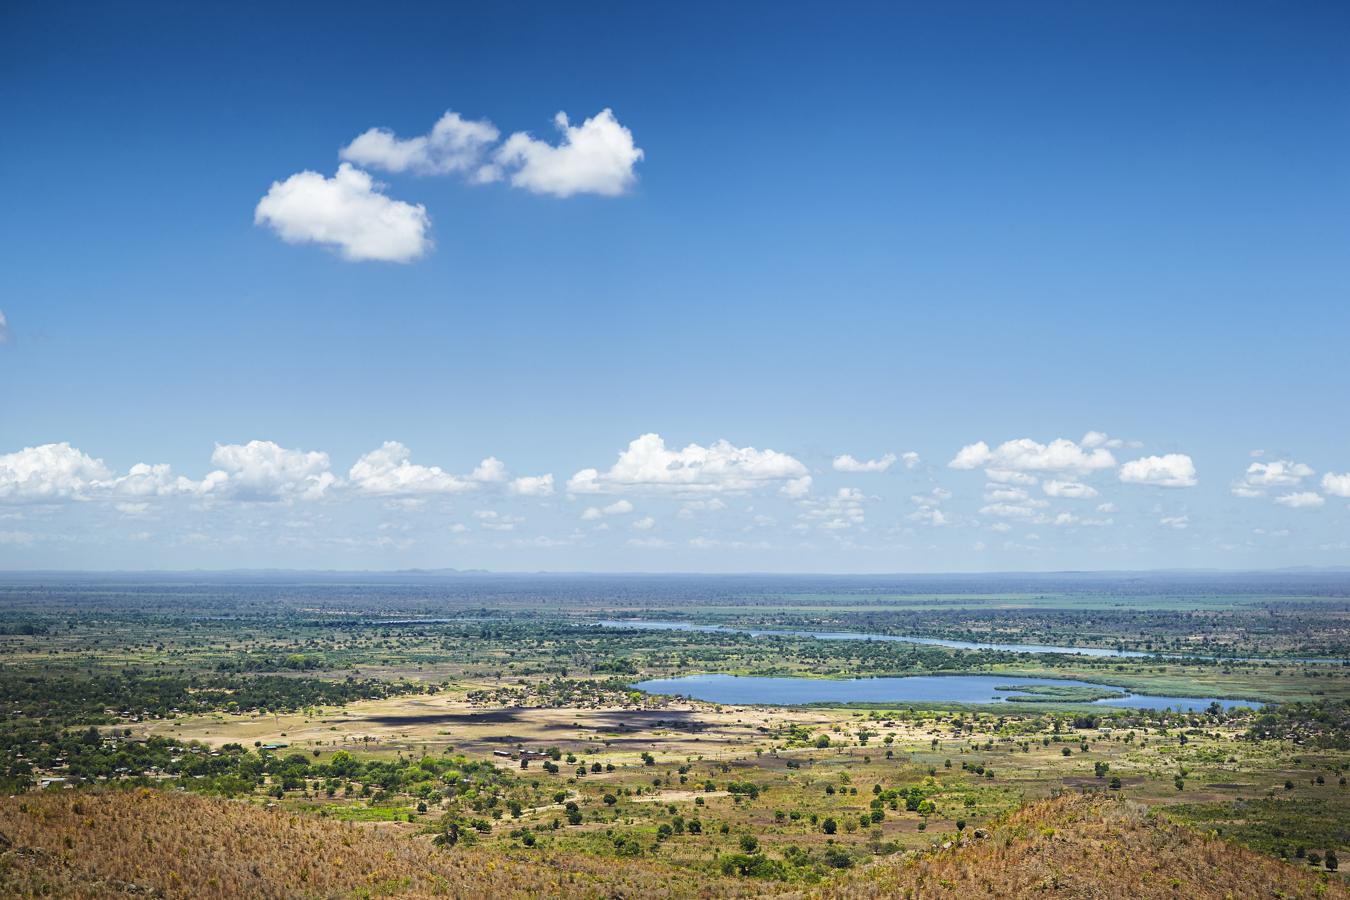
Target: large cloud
390	471
48	472
595	157
647	465
347	212
258	471
454	144
265	471
1169	470
1026	455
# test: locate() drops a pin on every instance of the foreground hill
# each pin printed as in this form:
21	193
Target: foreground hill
1088	847
171	844
87	845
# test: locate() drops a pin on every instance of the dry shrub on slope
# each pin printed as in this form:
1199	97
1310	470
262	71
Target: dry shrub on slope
1089	847
169	844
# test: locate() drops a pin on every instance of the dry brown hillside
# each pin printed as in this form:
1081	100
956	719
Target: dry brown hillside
88	845
169	844
1089	847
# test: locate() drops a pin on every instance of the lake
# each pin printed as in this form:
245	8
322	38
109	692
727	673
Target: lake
789	691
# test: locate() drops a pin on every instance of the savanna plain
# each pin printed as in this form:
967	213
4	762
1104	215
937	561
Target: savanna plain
472	735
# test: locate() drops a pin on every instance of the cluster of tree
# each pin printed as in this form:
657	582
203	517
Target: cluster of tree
68	698
560	692
93	757
1324	724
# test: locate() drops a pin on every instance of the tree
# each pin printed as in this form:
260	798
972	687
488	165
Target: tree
829	826
449	835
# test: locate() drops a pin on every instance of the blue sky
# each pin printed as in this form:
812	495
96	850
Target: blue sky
851	230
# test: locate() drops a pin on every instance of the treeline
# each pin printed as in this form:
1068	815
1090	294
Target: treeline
92	757
69	698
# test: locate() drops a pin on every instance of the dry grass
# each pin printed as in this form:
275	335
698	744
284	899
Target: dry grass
92	845
1089	847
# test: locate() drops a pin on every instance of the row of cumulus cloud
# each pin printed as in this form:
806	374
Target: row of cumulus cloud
263	471
351	214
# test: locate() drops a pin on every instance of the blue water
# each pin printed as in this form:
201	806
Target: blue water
790	691
648	625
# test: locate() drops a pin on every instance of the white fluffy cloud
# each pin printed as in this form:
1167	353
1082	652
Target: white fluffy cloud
48	472
265	471
1005	476
1169	470
4	327
347	212
389	471
1261	476
1071	490
999	493
1336	485
1100	439
617	508
454	144
595	157
1300	500
257	471
490	471
1281	473
1177	522
532	486
648	465
1026	455
846	463
1009	511
145	480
